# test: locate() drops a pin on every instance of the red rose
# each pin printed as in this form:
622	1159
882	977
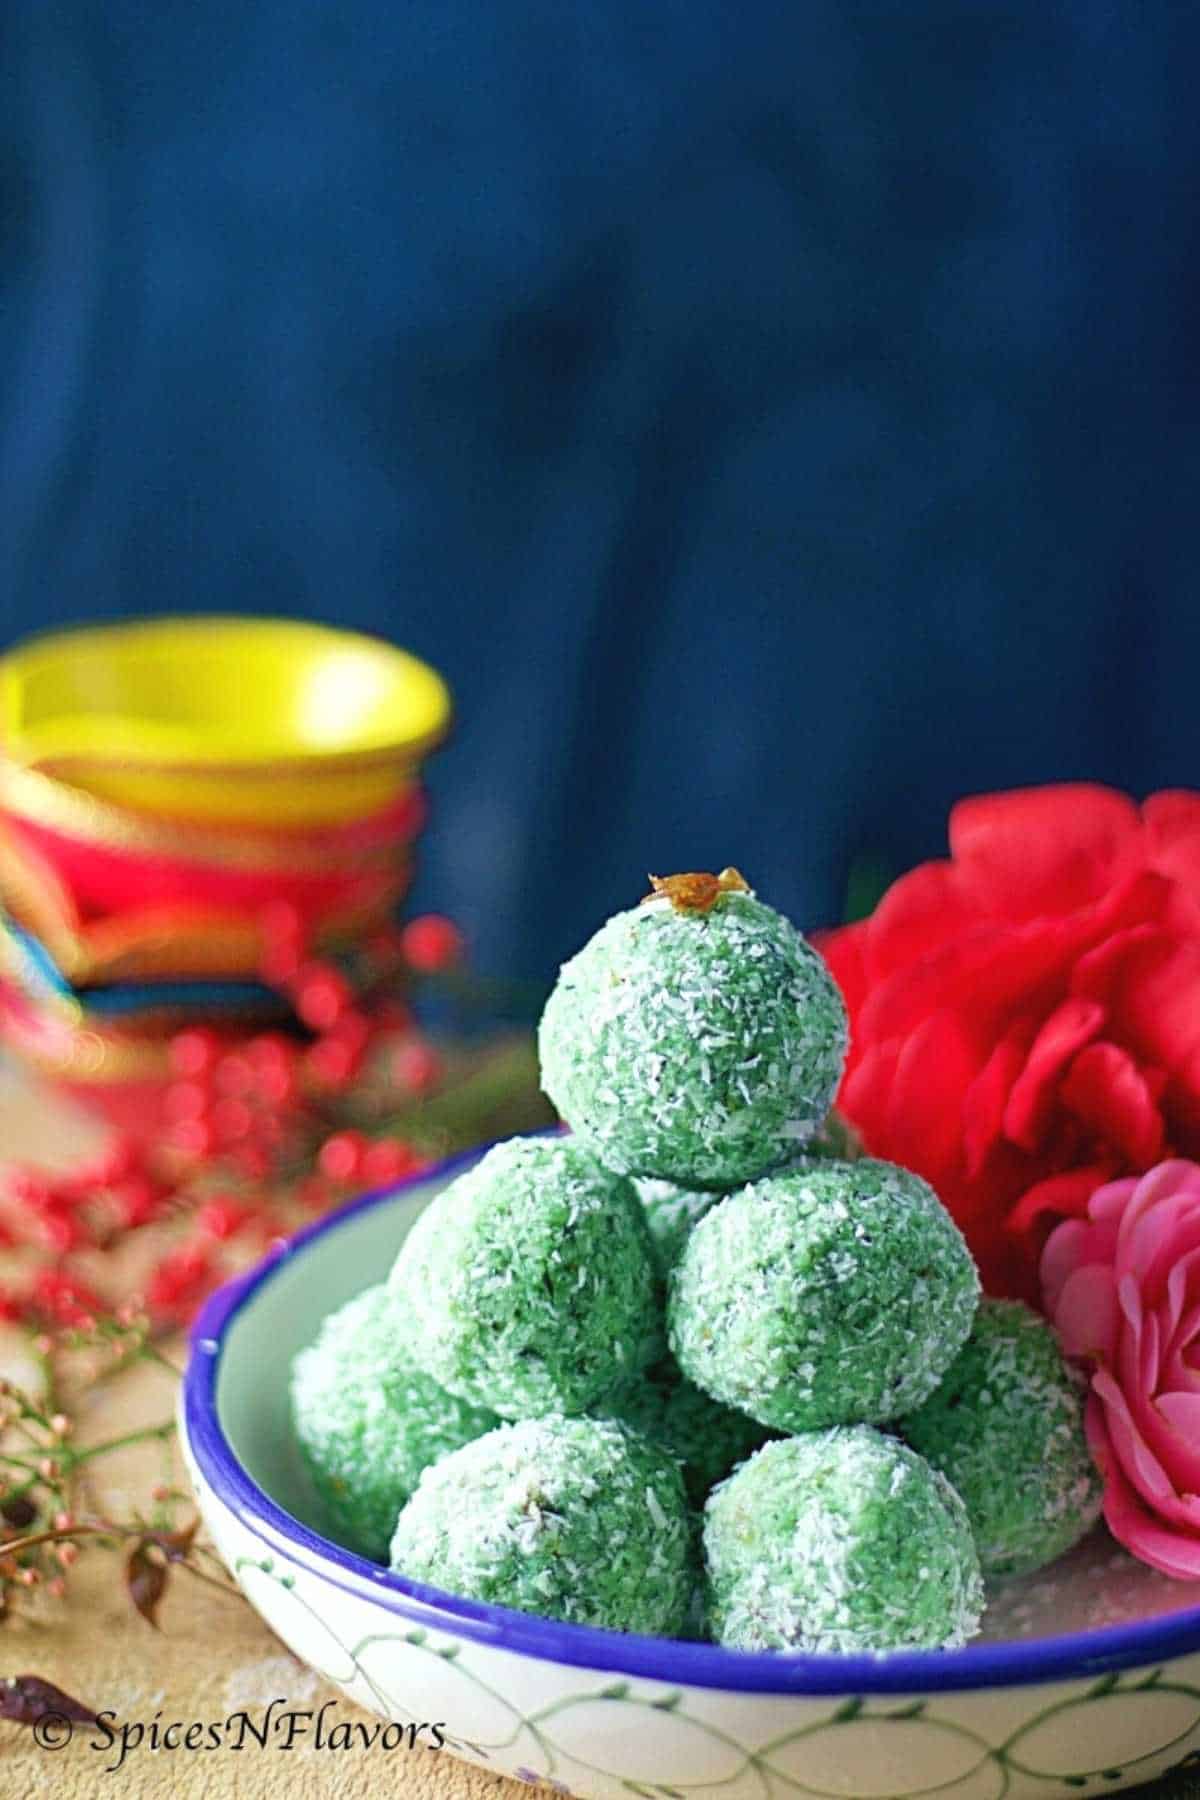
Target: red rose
1026	1017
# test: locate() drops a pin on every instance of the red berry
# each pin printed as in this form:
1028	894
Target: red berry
273	1060
416	1067
341	1156
119	1159
388	1160
59	1232
314	1193
139	1200
352	1029
179	1283
277	1085
64	1300
252	1160
234	1074
392	1015
185	1100
26	1187
232	1121
431	944
330	1064
322	995
222	1216
193	1138
193	1052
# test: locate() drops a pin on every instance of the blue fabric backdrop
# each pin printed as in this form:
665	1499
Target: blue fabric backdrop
774	419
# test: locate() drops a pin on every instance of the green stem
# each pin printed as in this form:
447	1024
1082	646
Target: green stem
19	1462
149	1434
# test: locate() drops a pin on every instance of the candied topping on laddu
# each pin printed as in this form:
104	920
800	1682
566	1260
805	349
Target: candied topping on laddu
696	893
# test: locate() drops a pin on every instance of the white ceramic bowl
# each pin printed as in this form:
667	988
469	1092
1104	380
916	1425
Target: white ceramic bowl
1088	1676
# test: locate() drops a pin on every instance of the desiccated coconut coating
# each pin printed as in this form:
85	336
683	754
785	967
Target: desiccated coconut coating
529	1282
831	1294
671	1211
705	1438
700	1047
368	1421
576	1519
842	1540
1006	1427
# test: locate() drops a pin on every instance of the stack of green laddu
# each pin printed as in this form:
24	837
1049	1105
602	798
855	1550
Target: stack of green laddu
697	1367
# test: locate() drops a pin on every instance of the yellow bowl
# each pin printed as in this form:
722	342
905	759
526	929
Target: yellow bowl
231	720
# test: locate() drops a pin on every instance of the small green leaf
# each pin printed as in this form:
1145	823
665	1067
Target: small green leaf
913	1711
1105	1685
415	1637
450	1652
287	1581
1151	1680
849	1709
1113	1774
668	1703
1075	1780
619	1690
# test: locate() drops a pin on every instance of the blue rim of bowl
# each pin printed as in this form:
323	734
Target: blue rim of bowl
667	1660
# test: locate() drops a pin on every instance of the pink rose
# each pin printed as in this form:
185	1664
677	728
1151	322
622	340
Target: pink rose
1122	1286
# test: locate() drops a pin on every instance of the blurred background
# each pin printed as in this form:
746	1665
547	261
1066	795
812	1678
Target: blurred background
774	421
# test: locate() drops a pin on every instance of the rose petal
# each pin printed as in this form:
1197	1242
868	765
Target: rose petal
1109	1201
1180	1458
1180	1103
1130	1300
1162	1465
1105	1089
1172	828
1180	1282
1097	972
1031	1103
1171	1552
954	974
1137	1459
865	1092
1182	1413
987	1096
1149	1346
1178	1373
1075	1244
843	952
1154	999
1158	1241
1062	1254
1066	1195
916	915
1085	1311
1165	1182
923	1133
1043	850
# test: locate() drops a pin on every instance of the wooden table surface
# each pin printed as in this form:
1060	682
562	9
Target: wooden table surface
212	1657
